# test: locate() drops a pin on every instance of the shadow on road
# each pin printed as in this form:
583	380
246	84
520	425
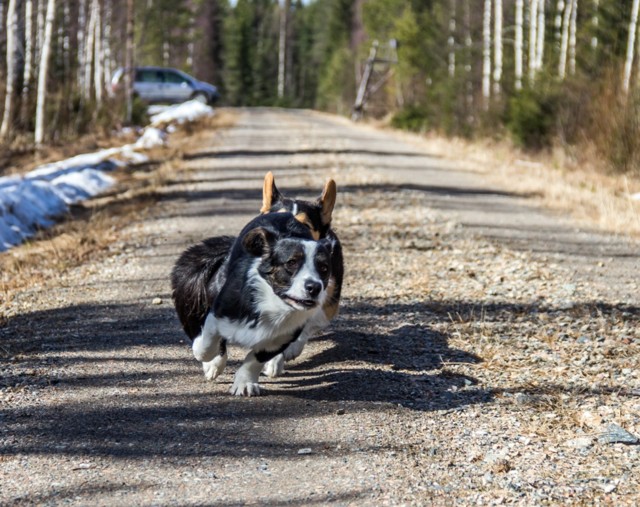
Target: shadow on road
149	398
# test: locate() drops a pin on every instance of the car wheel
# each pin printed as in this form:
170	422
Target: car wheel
200	97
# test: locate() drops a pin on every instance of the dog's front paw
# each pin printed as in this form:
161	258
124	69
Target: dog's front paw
275	367
245	389
213	369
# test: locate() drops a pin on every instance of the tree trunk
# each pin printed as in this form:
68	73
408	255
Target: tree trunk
42	72
129	72
282	46
517	46
28	59
497	47
564	42
98	56
486	54
12	44
451	41
533	38
82	22
106	43
541	30
89	50
572	37
595	21
631	44
557	23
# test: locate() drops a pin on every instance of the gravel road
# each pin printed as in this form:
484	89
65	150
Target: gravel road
486	351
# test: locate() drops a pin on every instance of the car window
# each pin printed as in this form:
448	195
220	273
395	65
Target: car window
149	76
174	78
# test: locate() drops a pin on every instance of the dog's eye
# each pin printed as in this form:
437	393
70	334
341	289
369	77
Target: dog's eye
323	268
292	263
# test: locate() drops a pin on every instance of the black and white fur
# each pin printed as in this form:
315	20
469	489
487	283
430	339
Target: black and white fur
261	295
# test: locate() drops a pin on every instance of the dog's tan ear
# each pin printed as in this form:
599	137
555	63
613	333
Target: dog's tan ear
270	193
327	201
258	241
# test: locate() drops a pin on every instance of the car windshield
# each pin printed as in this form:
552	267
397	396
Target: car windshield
174	77
149	76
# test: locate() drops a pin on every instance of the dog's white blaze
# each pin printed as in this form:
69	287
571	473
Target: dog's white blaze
277	322
307	272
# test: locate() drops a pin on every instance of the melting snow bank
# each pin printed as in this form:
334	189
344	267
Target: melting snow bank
35	200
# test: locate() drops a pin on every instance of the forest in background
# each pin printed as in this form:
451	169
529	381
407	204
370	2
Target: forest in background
543	72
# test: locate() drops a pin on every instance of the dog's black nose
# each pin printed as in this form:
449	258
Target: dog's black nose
313	287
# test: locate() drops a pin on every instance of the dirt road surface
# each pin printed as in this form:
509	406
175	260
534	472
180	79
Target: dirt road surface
483	351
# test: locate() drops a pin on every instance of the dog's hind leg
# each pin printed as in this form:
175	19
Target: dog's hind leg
245	382
215	367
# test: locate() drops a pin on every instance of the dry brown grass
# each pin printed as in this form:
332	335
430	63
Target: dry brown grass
569	182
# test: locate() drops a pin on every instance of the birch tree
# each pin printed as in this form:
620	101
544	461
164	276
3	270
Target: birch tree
42	72
89	50
557	23
282	46
28	54
595	21
98	56
486	53
564	40
533	38
541	33
451	41
628	62
573	28
497	47
129	72
12	45
517	45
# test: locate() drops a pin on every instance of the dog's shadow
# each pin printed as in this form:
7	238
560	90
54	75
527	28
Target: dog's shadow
402	363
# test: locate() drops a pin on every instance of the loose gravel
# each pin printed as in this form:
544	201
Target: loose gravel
486	351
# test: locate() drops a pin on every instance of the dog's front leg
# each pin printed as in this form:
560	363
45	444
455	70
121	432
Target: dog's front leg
206	346
245	383
214	368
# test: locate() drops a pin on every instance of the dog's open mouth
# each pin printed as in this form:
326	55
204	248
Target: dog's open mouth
300	303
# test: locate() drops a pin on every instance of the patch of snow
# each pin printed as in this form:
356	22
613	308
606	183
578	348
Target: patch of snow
37	199
151	138
191	110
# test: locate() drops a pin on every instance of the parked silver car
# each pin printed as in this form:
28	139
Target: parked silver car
163	84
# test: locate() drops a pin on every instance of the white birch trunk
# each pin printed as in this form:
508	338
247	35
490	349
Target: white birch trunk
517	46
98	57
564	41
82	25
541	30
486	54
595	21
497	47
533	38
12	44
628	62
572	37
451	41
42	72
282	47
28	55
560	6
89	50
106	43
468	44
39	27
